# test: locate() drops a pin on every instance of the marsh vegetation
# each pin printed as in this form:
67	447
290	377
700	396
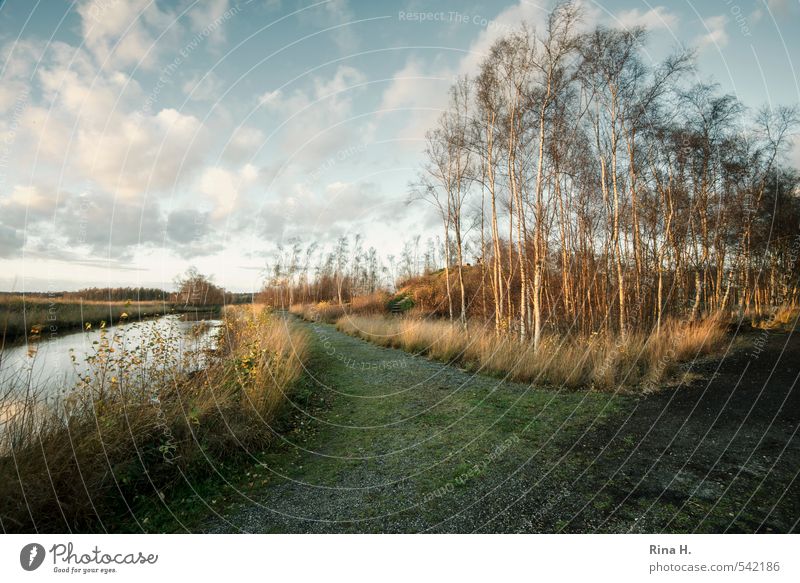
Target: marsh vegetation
142	419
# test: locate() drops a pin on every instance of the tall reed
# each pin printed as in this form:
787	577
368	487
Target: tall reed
600	361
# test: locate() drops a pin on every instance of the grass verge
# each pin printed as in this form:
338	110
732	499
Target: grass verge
37	317
606	362
141	425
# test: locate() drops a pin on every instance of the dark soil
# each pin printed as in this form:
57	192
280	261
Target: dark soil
721	454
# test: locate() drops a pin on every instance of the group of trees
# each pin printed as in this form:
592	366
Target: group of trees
608	193
195	289
310	273
301	273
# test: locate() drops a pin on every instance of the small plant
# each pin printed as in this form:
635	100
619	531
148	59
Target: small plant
399	304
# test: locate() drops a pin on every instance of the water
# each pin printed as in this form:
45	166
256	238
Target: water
48	366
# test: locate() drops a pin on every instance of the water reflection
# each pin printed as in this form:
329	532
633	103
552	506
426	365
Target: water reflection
51	367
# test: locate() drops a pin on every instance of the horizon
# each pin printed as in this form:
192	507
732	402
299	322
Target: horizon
140	140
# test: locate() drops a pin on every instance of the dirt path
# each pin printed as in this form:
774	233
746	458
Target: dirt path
388	442
719	455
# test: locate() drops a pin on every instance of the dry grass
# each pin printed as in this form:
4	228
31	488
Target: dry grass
330	312
783	318
369	305
34	316
137	427
598	361
321	312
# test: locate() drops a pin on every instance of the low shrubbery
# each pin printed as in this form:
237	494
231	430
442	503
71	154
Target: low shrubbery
140	424
330	312
598	361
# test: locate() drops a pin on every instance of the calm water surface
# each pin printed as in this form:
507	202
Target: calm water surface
48	365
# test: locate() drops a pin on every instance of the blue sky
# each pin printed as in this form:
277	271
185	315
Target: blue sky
140	137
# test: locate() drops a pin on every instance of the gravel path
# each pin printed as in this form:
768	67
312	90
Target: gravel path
383	441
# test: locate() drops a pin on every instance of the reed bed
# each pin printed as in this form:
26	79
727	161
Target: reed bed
330	312
600	361
34	317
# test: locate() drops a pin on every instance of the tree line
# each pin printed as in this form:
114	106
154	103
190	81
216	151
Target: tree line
608	193
310	273
192	288
118	294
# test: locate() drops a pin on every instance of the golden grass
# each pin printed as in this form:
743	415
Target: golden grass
321	312
598	361
784	318
330	312
371	304
35	316
131	430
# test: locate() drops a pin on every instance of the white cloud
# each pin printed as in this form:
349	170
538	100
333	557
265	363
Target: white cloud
343	79
28	196
321	214
331	15
249	174
312	127
18	60
506	21
85	125
715	33
121	34
422	92
270	98
206	87
141	154
222	187
653	19
71	82
62	224
204	14
244	144
26	204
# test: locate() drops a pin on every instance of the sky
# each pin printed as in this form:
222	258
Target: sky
139	137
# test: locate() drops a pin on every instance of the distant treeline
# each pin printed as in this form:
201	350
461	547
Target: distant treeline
34	314
189	295
200	294
120	294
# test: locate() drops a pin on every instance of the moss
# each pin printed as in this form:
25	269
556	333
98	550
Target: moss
400	303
